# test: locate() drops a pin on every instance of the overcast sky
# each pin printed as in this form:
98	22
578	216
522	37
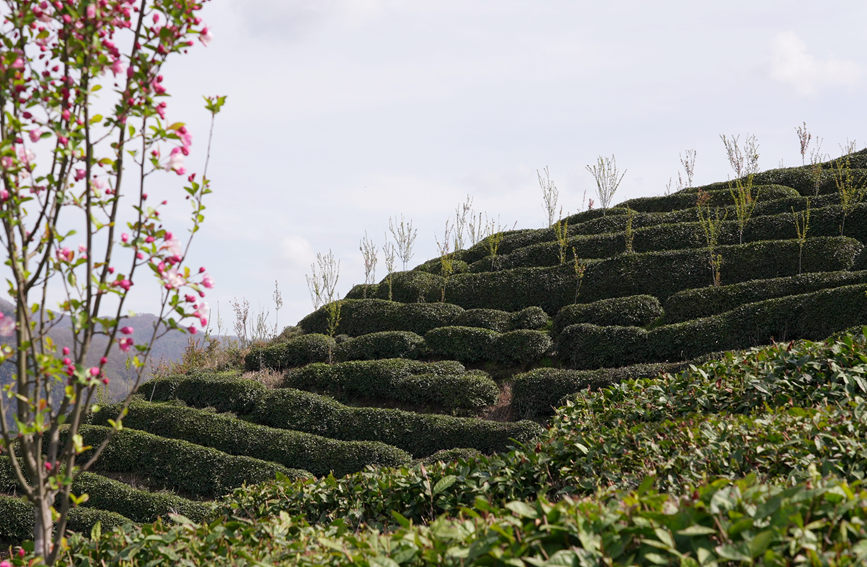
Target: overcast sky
343	113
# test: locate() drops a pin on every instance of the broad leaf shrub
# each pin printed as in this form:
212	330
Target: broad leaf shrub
718	523
292	449
444	384
419	434
634	310
296	351
705	301
114	496
190	469
810	315
660	274
384	344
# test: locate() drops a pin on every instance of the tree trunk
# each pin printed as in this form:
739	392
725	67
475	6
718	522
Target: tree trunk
43	529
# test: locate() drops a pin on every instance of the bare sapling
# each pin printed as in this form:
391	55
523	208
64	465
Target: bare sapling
463	215
687	160
849	192
802	226
404	236
711	223
804	138
277	296
578	268
848	147
241	310
550	194
492	236
607	177
744	160
817	158
561	232
369	257
389	254
446	258
629	233
322	283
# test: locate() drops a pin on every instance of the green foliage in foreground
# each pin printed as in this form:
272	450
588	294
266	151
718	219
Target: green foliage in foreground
720	523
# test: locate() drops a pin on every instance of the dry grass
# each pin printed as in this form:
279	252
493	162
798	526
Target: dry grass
271	379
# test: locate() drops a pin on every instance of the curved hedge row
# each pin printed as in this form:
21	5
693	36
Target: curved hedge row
810	315
191	469
444	384
655	273
472	344
419	434
632	310
114	496
705	301
718	198
292	449
226	392
382	344
18	519
297	351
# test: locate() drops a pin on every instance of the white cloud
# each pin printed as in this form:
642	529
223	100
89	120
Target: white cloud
296	251
791	64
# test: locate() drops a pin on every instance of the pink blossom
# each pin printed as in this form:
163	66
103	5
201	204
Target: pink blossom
4	194
7	326
65	114
65	255
125	343
206	36
117	67
91	11
48	466
105	380
207	282
124	238
126	330
65	350
203	311
192	330
123	283
103	360
18	63
94	371
176	160
34	135
62	140
173	279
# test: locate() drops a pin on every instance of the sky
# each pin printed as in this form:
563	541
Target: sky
344	113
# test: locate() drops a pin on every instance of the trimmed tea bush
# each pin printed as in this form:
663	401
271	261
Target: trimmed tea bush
296	351
522	347
226	392
466	344
419	434
810	315
201	472
493	319
363	316
293	449
633	310
705	301
533	317
718	198
444	384
384	344
17	524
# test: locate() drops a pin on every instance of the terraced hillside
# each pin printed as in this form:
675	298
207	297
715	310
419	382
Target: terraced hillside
434	365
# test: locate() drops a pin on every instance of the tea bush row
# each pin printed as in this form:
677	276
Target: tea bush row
114	496
633	310
473	344
705	301
444	384
811	316
190	469
292	449
18	519
364	316
660	274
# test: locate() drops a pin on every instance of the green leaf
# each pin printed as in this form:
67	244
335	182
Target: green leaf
380	561
444	484
760	542
522	509
696	531
400	519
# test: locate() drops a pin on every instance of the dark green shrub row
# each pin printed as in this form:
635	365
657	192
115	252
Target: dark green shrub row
364	316
472	344
194	470
824	221
801	179
633	310
811	315
419	434
17	520
538	392
718	198
643	220
705	301
292	449
444	384
654	273
296	351
225	392
114	496
384	344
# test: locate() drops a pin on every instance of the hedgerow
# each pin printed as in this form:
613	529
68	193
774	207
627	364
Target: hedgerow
190	469
445	385
705	301
226	392
810	315
18	519
383	344
634	310
292	449
296	351
363	316
419	434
